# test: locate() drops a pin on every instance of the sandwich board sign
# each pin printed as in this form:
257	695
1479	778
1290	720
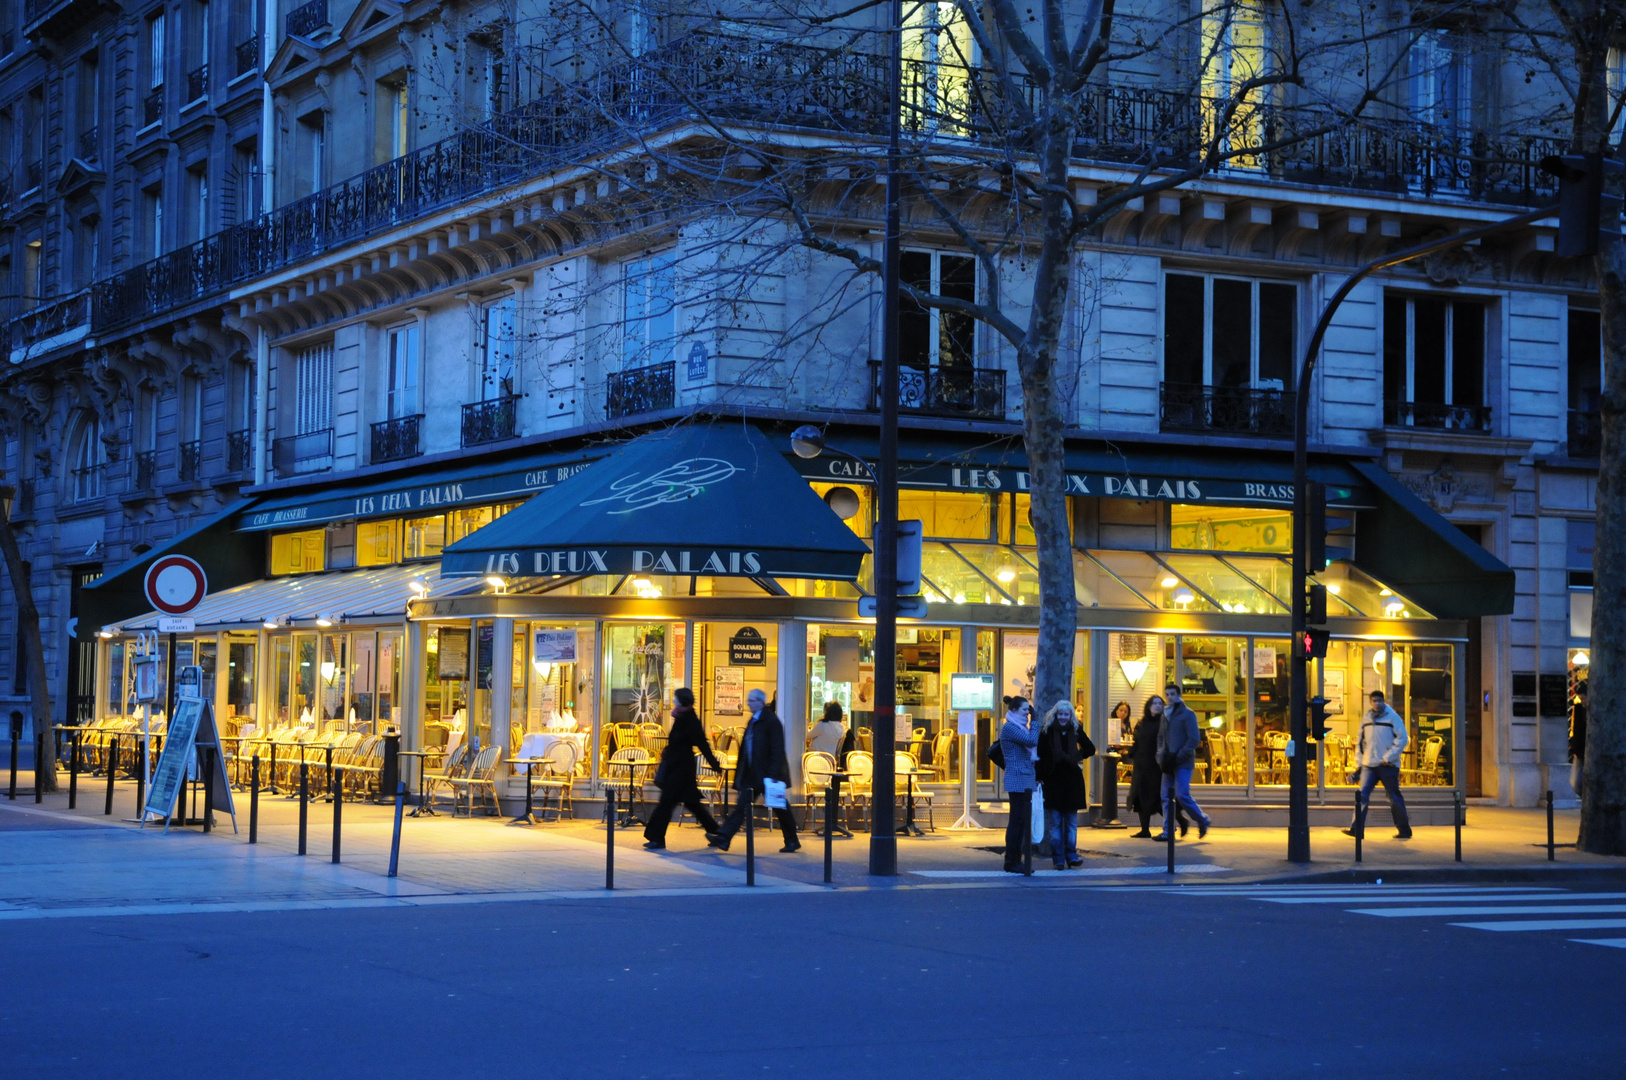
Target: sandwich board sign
193	725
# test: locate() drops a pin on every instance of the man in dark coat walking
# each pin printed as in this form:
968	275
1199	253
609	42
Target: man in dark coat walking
677	775
762	757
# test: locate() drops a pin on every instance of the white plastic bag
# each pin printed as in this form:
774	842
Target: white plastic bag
773	795
1038	815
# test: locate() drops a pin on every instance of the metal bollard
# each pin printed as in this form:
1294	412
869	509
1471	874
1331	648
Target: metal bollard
829	830
1360	826
254	801
609	839
395	839
1457	795
329	779
1550	854
337	790
110	762
73	773
1168	827
748	799
15	735
207	767
304	802
141	780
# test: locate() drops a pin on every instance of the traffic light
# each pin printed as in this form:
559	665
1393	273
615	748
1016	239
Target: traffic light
1585	205
1315	644
1318	719
1315	604
1321	522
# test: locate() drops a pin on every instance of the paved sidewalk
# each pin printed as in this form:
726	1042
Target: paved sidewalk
60	863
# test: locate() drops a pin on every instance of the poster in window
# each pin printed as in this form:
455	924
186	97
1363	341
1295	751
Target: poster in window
453	658
728	691
1334	691
546	704
864	692
1264	661
1021	661
554	647
488	639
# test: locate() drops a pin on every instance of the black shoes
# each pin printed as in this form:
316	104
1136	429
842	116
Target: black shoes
1402	836
1202	829
650	845
718	841
790	849
1144	834
1185	827
1349	831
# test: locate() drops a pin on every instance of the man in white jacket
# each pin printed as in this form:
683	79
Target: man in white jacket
1383	737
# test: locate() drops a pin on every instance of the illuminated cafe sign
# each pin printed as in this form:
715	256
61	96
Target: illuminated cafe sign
403	497
701	561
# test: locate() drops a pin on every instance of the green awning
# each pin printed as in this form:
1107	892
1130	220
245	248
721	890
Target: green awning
229	558
1406	545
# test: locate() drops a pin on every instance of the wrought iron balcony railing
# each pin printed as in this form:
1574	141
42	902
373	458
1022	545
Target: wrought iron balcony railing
641	390
309	452
146	470
50	319
1237	410
1585	433
833	90
88	143
489	421
1470	418
248	55
152	107
397	439
239	451
307	18
197	84
189	466
971	393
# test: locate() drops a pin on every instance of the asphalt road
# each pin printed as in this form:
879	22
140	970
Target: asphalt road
965	980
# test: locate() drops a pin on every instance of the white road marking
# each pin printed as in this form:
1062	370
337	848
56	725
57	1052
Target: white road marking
1548	924
1094	871
1611	942
1440	898
1454	912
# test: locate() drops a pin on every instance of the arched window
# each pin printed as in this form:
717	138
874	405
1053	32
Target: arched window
88	458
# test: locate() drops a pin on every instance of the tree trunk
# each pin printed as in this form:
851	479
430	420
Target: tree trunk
1603	806
28	632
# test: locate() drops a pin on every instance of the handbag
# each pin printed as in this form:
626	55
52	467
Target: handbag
661	773
1037	825
996	753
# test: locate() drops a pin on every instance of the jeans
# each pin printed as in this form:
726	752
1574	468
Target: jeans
1061	829
1017	828
1389	776
1177	788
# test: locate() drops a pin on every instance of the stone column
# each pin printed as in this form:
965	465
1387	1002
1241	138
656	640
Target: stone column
793	693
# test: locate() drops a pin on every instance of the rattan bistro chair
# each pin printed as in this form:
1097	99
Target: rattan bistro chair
481	774
817	769
558	778
624	775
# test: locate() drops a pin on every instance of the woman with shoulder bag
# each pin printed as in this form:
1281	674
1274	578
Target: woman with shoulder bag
1017	741
1063	748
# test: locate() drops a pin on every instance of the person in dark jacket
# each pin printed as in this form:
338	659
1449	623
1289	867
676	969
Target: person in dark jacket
676	776
1146	781
1063	746
1578	740
762	757
1177	742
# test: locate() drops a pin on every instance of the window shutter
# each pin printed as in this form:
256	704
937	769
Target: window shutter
313	403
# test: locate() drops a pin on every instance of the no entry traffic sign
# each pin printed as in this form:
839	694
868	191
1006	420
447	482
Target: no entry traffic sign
175	584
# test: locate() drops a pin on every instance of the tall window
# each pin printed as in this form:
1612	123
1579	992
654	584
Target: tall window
192	409
1221	331
498	332
89	248
403	372
1439	80
33	274
197	201
391	118
89	455
313	389
1434	362
152	220
937	61
243	188
90	93
155	50
649	310
1616	70
312	150
931	337
1235	43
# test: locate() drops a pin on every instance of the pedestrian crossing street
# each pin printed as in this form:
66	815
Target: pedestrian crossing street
1493	908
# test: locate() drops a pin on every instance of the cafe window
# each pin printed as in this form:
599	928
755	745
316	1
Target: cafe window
949	515
1015	524
1230	528
424	537
298	552
1228	332
862	518
378	543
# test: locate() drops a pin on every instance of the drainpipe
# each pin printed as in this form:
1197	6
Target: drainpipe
262	404
268	139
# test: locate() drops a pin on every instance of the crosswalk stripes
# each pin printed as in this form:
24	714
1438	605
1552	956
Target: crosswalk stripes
1494	908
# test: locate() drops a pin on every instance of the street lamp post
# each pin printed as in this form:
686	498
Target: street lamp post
1298	771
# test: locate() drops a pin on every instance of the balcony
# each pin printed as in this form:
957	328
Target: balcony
1234	410
397	439
239	451
197	84
152	107
1585	433
1475	419
50	320
307	19
967	393
311	452
795	86
641	390
88	143
189	466
146	470
248	55
489	421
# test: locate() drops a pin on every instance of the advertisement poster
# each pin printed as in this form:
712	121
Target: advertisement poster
728	695
554	647
1264	661
1334	692
547	699
453	659
1021	658
864	692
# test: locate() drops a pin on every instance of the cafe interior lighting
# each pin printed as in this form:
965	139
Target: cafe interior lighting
324	620
498	585
543	668
1394	608
1581	659
1134	671
1169	582
1183	596
1335	589
1005	575
269	624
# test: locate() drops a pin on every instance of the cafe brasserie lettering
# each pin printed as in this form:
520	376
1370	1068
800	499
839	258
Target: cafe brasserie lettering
715	562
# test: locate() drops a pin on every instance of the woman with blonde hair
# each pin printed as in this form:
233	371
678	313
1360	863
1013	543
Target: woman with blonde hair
1063	748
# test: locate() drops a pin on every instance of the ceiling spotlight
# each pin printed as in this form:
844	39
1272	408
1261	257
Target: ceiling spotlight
1169	582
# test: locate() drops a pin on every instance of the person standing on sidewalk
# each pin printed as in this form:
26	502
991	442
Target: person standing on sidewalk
1146	781
1578	740
762	757
1018	742
1177	741
677	776
1063	747
1383	738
